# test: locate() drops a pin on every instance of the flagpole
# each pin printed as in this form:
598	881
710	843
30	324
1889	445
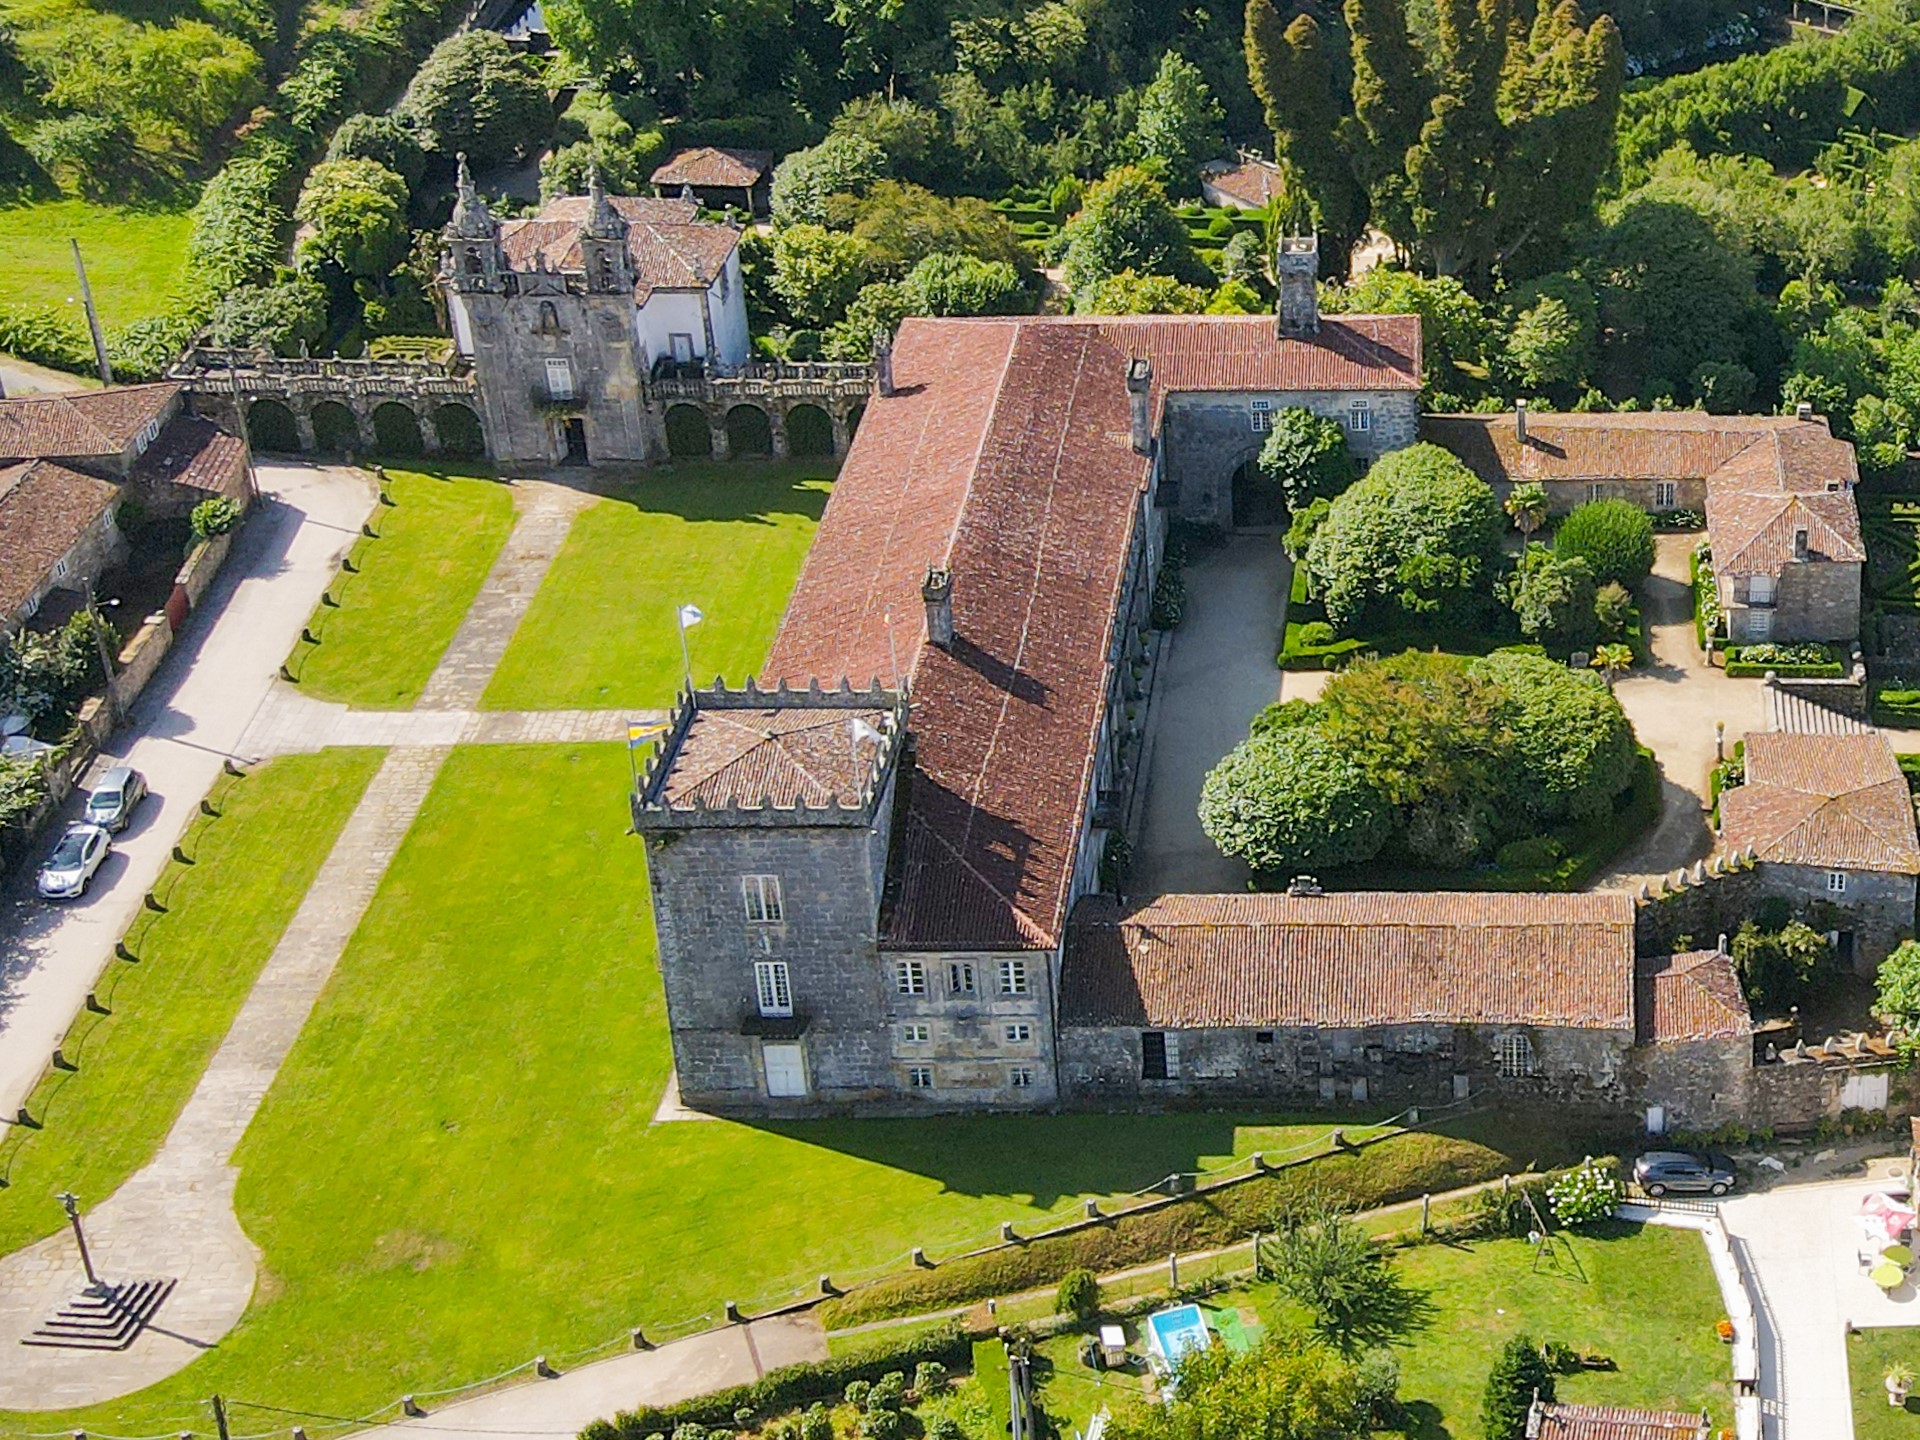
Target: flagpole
686	661
633	771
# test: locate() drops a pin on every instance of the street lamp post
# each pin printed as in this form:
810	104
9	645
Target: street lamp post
71	1203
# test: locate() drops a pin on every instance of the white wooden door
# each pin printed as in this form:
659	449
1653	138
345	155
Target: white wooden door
786	1070
1864	1091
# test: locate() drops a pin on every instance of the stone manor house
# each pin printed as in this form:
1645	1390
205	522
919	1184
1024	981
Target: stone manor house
875	867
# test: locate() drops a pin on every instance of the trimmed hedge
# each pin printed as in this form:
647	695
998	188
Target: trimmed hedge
793	1386
1896	707
1757	670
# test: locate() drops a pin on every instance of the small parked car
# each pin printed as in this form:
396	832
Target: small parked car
1662	1172
69	869
115	797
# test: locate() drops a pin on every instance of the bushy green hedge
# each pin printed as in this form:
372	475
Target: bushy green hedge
1896	707
792	1386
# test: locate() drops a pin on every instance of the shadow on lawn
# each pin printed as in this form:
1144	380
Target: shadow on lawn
1047	1159
732	493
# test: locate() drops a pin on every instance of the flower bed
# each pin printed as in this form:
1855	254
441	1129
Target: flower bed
1805	662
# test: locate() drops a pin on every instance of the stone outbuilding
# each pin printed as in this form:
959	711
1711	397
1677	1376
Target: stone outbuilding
1830	822
717	176
1350	998
1247	182
1694	1042
1776	491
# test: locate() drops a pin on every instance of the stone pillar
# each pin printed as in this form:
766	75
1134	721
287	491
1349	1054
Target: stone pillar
777	431
838	419
303	424
429	433
717	428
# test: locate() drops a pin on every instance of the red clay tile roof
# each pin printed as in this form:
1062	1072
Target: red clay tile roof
45	508
1352	959
670	247
81	424
1831	800
1253	181
1613	1422
1004	455
776	757
714	167
194	453
1695	996
1767	475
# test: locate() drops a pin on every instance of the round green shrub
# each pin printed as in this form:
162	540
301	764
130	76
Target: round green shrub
1078	1295
215	516
1316	633
1585	1194
1614	537
1572	748
1292	801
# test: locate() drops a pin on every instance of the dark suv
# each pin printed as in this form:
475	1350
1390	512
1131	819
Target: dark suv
1662	1172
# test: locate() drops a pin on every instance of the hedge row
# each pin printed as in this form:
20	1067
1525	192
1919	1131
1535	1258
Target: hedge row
792	1386
338	67
1754	670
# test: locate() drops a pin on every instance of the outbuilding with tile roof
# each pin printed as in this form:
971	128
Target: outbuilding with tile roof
717	176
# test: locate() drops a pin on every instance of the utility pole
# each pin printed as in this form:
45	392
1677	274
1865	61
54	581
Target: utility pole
220	1417
99	627
93	317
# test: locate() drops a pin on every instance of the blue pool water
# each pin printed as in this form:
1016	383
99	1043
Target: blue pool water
1174	1332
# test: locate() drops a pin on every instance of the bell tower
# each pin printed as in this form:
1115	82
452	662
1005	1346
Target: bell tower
473	261
603	243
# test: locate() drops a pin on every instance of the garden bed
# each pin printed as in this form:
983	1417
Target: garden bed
1810	661
1896	706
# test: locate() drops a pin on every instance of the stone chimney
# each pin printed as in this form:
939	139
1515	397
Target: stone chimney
1140	404
1520	421
1800	544
883	361
1297	267
937	591
1803	411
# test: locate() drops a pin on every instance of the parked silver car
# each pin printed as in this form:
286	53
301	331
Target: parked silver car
116	795
70	868
1661	1172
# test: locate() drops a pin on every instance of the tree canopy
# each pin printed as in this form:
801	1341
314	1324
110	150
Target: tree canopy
476	94
1125	223
1306	456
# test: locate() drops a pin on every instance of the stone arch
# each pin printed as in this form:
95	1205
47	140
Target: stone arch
335	427
854	417
459	430
749	432
1258	503
396	430
689	437
809	431
271	427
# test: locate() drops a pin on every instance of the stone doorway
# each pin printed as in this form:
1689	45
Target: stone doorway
576	441
1257	505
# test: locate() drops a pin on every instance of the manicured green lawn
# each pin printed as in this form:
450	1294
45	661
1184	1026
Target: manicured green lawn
1643	1295
134	258
601	633
1869	1353
170	1010
408	590
457	1169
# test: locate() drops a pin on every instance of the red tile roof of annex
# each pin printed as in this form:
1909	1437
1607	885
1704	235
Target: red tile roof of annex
1004	455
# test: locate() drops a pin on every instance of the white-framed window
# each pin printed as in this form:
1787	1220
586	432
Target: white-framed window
920	1077
1019	1034
960	977
761	895
1595	491
1760	589
915	1034
559	378
773	987
1013	977
1836	882
1516	1056
1261	414
1663	495
147	436
60	568
1360	417
910	977
1020	1077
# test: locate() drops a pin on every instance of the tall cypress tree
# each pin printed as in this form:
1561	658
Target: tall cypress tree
1391	93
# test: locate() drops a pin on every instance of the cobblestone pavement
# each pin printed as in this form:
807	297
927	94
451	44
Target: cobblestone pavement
175	1218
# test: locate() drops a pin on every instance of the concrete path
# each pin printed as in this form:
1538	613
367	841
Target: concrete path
23	377
290	722
1674	704
185	726
1216	674
698	1365
175	1218
1799	1244
545	514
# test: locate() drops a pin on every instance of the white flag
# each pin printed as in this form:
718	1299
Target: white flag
690	616
863	731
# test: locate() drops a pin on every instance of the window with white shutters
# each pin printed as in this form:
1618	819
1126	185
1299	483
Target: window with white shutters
772	987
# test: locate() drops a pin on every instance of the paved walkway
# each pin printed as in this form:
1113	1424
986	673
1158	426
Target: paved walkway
1216	674
1674	704
175	1218
184	727
23	377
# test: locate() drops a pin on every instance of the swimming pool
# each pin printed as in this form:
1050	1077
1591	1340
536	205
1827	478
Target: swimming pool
1172	1333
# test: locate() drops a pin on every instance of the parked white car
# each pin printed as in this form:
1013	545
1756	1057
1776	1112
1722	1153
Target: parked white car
70	868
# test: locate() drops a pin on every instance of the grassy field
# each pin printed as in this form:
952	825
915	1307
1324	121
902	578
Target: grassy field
408	590
134	257
1645	1296
457	1168
197	961
727	538
1869	1353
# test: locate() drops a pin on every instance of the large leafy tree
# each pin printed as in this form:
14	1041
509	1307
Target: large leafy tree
358	213
1306	455
1292	70
1571	748
1552	597
817	272
1125	224
476	94
1179	120
1291	800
